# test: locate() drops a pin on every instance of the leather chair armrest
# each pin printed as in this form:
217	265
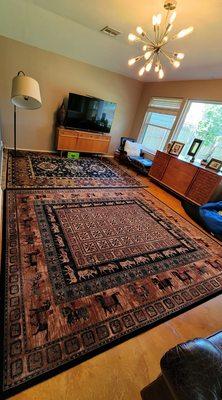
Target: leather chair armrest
193	370
122	153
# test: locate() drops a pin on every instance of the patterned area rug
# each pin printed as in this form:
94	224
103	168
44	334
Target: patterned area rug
41	170
85	270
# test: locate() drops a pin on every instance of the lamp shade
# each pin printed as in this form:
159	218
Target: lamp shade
25	92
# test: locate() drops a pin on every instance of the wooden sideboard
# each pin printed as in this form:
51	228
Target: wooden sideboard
191	181
81	141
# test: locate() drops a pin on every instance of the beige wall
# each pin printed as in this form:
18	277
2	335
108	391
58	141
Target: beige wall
198	90
57	76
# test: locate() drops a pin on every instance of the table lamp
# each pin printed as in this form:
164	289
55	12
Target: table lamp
25	94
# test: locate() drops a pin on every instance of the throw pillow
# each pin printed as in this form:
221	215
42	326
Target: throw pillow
132	148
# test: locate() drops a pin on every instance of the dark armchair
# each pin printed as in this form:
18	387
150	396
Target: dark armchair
139	163
190	371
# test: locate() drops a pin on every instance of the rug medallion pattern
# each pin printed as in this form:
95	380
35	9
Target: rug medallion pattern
39	170
85	269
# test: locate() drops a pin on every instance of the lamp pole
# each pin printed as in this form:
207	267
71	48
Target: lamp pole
15	130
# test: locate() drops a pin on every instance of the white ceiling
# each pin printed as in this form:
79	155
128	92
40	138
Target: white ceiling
202	48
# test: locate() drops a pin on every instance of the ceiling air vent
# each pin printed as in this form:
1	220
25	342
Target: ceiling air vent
110	31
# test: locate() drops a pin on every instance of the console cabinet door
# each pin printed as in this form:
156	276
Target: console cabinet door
159	165
178	175
203	186
92	143
66	140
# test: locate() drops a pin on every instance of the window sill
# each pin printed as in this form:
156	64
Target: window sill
148	154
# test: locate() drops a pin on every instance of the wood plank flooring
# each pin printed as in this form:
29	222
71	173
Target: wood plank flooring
121	373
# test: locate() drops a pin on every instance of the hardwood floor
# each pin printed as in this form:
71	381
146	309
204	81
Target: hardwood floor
121	373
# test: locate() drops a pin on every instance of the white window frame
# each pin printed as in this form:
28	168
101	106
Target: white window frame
163	110
185	111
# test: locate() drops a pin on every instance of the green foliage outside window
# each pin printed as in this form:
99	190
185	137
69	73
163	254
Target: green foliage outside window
210	128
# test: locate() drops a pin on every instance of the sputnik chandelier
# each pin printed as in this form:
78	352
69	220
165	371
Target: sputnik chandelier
155	48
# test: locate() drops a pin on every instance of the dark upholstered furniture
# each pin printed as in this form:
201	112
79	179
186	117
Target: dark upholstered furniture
194	212
190	371
211	213
123	140
140	163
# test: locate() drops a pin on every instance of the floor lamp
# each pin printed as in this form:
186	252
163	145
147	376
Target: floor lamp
25	94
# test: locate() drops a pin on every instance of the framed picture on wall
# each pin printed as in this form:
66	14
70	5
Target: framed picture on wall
214	164
176	148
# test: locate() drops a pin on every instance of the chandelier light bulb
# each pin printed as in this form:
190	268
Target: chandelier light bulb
131	61
161	73
141	71
157	67
149	66
165	39
154	20
172	17
179	56
147	55
176	63
183	33
131	37
158	19
139	30
144	48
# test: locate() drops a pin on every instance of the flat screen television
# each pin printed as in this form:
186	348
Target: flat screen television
89	113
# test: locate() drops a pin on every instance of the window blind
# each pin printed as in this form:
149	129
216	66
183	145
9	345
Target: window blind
170	104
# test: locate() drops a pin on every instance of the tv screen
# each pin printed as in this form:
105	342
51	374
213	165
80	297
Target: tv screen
89	113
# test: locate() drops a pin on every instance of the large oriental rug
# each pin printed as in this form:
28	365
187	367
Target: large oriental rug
45	170
85	270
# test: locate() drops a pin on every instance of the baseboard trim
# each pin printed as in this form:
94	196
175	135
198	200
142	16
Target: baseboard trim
51	151
42	151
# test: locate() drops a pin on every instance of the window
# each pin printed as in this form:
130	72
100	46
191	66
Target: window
203	120
159	120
